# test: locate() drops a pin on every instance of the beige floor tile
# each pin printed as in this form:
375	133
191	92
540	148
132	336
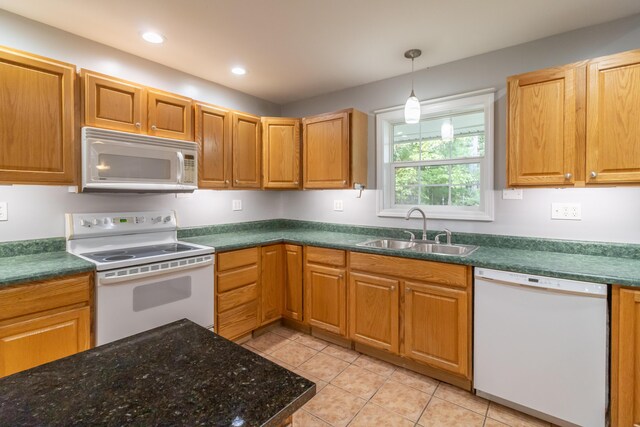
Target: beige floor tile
286	332
278	362
493	423
378	366
313	342
324	367
415	380
293	353
401	399
357	380
341	353
304	419
268	342
440	413
373	415
319	383
253	350
462	398
335	406
513	418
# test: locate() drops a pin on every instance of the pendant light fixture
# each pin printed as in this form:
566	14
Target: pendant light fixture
412	106
446	131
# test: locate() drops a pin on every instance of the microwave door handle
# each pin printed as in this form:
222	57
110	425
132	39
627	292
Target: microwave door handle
180	166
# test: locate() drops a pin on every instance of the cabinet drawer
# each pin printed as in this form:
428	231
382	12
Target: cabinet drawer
326	256
238	321
427	271
235	259
44	295
237	278
236	297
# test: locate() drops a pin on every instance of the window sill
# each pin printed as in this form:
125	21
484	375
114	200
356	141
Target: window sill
438	214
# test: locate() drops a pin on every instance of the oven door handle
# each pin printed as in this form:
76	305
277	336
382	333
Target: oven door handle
141	275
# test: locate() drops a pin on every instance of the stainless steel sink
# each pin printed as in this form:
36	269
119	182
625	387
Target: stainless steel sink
420	246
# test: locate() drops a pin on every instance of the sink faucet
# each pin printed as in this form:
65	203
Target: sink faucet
424	220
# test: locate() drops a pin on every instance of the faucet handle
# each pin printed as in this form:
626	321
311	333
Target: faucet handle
413	236
446	232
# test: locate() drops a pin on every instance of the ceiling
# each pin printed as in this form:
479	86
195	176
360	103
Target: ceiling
296	49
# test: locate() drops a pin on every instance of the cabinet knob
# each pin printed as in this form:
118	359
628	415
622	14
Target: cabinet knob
567	175
226	181
593	174
154	127
237	181
408	289
138	125
340	276
393	288
344	182
295	182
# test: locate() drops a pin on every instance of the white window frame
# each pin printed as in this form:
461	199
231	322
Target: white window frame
385	119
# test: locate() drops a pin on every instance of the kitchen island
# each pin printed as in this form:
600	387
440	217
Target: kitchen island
178	374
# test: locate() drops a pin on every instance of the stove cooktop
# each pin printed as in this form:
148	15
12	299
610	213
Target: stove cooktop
139	252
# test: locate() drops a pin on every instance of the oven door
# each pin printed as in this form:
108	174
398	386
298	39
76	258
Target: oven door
110	165
135	299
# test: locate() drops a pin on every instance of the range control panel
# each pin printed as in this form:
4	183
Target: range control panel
101	224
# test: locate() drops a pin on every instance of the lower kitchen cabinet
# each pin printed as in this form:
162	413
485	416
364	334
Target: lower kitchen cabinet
325	289
237	296
44	321
625	357
271	283
374	308
292	302
437	326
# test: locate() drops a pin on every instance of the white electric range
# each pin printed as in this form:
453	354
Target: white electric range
145	277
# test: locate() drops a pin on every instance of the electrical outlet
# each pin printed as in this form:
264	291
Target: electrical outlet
4	213
512	194
337	205
236	205
566	211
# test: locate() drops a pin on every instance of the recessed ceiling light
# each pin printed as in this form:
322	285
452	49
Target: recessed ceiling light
238	71
153	37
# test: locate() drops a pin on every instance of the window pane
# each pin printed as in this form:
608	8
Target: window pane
434	195
468	146
406	152
430	175
435	149
465	195
465	174
406	186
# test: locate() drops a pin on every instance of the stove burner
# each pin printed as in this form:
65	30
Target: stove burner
119	257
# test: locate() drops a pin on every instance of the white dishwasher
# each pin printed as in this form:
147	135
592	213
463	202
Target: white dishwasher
541	346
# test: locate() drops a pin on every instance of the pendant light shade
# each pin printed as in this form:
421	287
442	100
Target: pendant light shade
446	131
412	110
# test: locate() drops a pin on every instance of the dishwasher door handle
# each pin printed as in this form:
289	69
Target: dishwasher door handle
479	279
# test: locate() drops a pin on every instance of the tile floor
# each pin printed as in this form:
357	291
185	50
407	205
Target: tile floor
357	390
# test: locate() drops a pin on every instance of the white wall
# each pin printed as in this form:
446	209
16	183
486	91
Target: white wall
38	211
610	214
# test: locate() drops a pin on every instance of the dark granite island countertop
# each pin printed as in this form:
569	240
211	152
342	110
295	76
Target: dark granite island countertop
178	374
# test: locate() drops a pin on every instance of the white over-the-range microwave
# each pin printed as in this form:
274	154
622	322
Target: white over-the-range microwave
115	161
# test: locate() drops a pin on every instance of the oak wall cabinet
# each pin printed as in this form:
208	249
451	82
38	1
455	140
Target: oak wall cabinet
37	120
575	125
280	153
213	135
246	151
43	321
334	150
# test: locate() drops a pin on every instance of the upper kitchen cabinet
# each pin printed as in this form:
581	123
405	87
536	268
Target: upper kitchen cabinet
36	119
335	149
113	103
613	129
246	151
213	135
280	153
541	129
118	104
170	115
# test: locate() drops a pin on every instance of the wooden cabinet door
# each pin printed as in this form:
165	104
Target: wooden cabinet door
247	151
326	298
280	152
30	343
292	307
271	283
169	115
213	135
373	303
326	151
541	128
625	357
437	326
613	128
36	119
113	103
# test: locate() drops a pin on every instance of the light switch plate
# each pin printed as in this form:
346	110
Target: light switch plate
236	205
4	213
512	194
566	211
337	205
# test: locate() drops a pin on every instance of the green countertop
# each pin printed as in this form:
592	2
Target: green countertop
595	262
